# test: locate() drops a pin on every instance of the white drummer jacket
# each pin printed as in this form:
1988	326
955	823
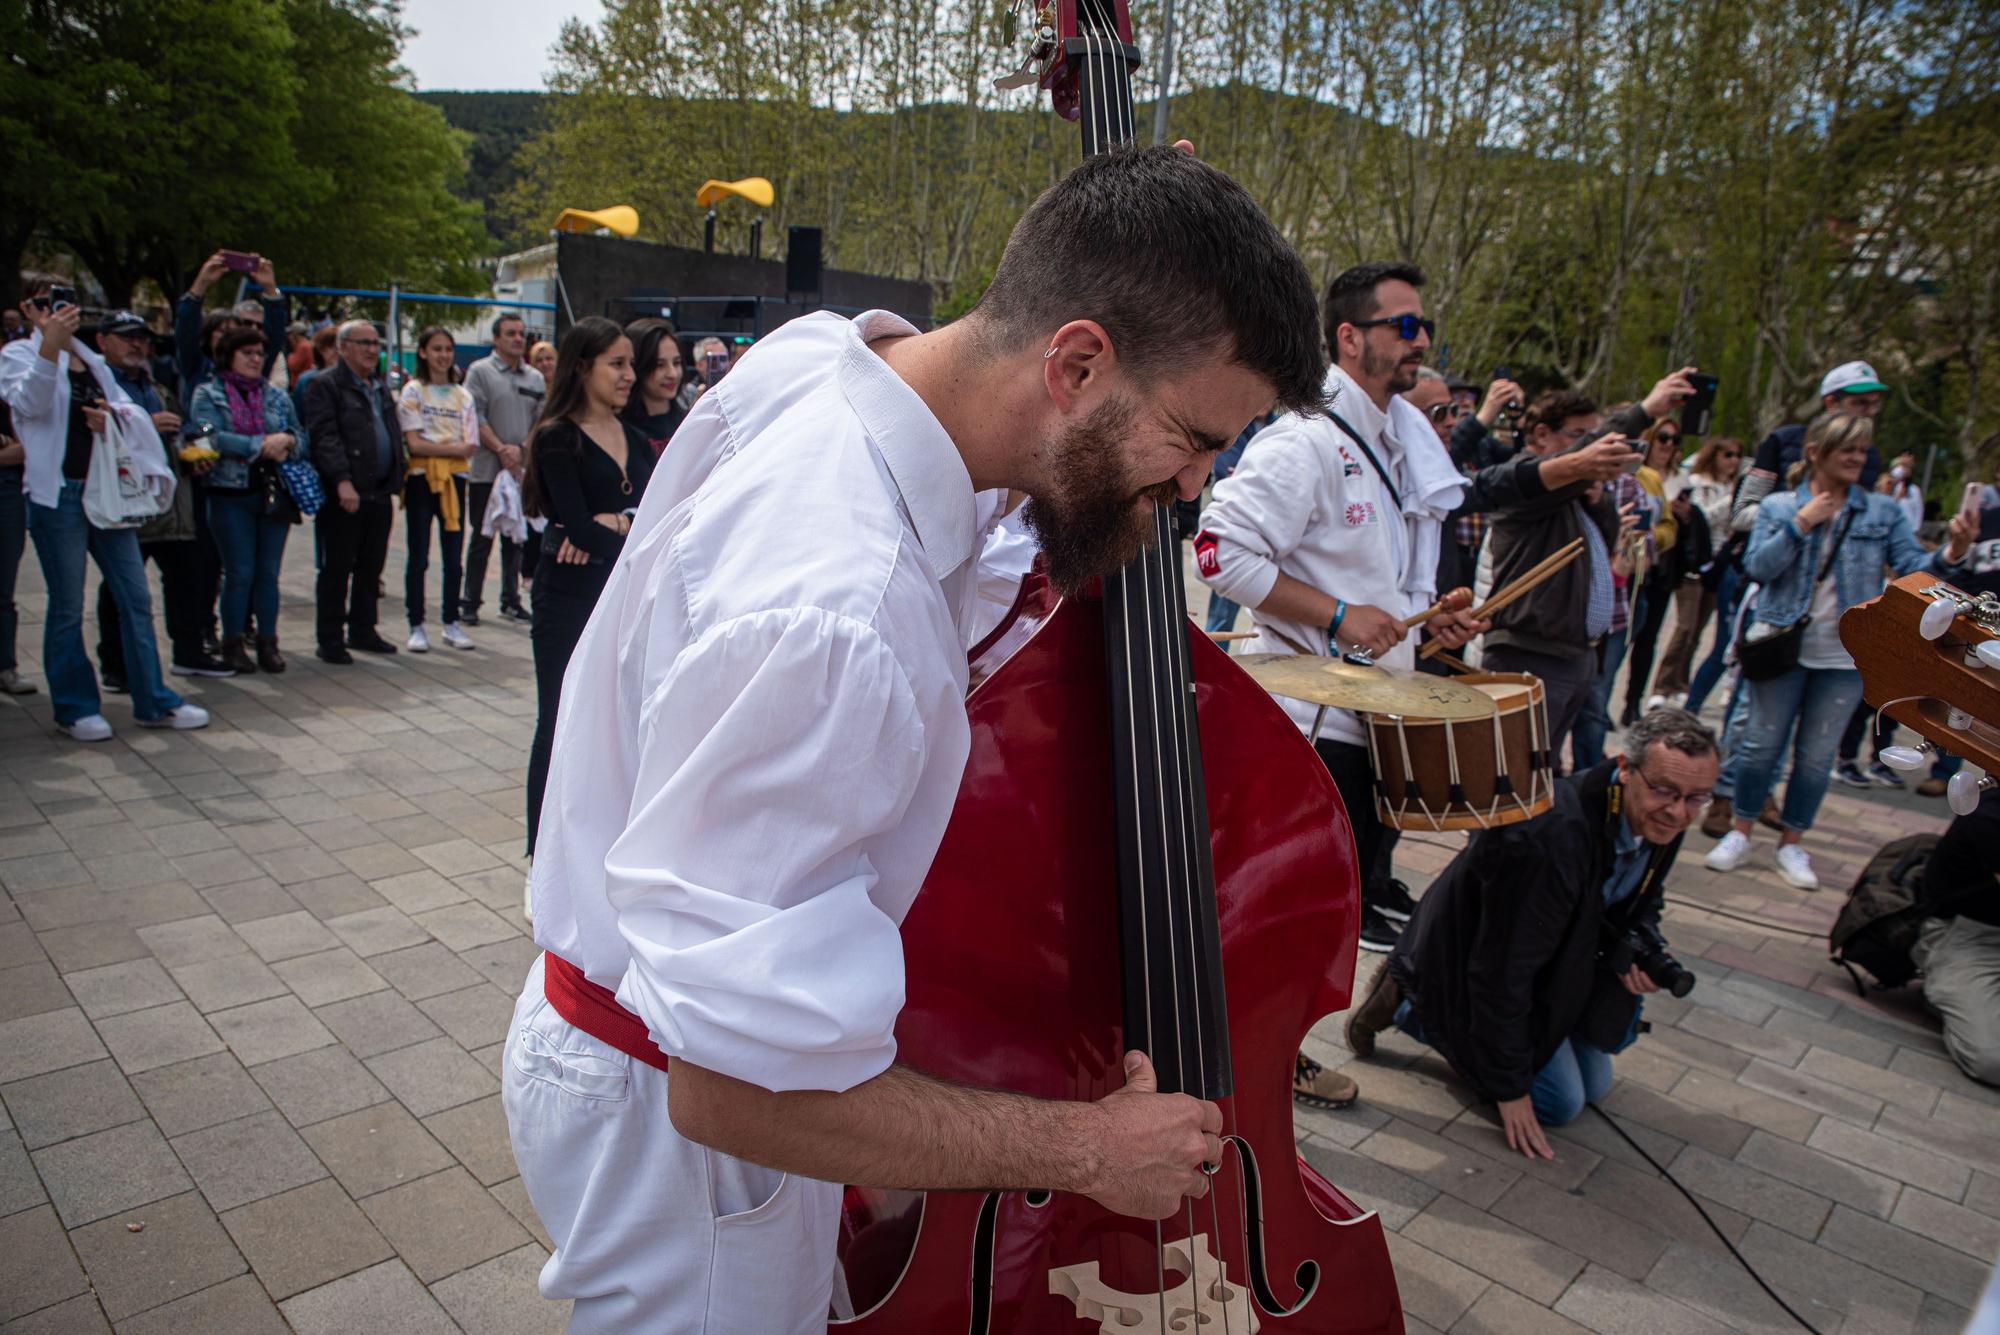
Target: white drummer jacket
1306	502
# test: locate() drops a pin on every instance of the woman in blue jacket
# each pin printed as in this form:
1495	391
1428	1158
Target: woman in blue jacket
254	424
1817	550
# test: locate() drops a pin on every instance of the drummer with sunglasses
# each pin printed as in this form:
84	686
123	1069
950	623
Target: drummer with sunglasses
1329	530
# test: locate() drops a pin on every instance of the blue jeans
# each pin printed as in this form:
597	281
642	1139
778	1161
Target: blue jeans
1819	701
1577	1074
1586	745
1710	671
1221	614
13	541
253	548
62	539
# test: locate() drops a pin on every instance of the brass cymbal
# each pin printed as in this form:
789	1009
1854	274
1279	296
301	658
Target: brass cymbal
1369	690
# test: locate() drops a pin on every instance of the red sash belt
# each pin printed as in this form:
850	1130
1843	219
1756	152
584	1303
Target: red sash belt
596	1011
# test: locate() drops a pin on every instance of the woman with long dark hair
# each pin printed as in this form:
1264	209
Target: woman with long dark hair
655	409
441	427
586	473
1709	484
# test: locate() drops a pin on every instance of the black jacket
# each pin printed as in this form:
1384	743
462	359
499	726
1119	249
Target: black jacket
336	407
1501	954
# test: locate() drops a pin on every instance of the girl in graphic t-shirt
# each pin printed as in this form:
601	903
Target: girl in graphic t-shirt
441	427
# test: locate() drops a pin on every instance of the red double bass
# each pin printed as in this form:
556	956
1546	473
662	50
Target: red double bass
1145	854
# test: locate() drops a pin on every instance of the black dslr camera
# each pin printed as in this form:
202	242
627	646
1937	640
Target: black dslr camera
1643	946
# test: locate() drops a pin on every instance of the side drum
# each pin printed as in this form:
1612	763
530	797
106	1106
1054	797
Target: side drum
1466	775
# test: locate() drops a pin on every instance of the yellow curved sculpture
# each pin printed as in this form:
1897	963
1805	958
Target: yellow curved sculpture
753	188
619	219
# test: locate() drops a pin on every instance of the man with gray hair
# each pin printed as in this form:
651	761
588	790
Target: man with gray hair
1526	960
357	446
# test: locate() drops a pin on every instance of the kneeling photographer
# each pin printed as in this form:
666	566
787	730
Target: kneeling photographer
1526	960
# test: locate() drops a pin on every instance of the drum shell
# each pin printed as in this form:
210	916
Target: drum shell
1521	721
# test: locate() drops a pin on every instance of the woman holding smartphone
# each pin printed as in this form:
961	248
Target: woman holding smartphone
586	474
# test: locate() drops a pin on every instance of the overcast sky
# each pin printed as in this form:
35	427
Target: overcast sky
486	44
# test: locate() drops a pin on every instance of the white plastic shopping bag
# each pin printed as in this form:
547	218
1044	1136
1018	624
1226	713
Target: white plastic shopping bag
126	485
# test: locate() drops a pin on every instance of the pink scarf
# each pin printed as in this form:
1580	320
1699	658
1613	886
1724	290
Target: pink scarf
246	403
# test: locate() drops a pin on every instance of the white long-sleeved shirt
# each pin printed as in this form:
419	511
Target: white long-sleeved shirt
37	391
763	729
1305	502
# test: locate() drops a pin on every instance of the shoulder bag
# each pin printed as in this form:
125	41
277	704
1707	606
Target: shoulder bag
1775	655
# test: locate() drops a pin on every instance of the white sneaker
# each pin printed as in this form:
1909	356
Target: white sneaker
1729	852
1656	702
183	718
11	683
419	643
1795	865
89	728
455	637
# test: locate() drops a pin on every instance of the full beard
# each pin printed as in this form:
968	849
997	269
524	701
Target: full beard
1088	522
1400	368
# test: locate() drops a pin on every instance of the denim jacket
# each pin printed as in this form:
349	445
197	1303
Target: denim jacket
1786	562
239	451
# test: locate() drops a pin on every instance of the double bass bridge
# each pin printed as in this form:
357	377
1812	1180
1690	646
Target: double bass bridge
1203	1302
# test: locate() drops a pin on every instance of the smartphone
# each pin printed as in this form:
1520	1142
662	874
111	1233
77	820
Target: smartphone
1698	410
61	296
1507	373
237	261
714	365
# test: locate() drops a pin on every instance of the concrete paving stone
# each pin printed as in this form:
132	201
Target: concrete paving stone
376	1023
155	902
1826	1097
425	971
319	1084
430	1077
114	989
239	809
1944	1137
475	1017
1571	1222
267	1030
268	836
1984	1195
1872	1299
382	861
1433	1288
1719	1287
180	1250
1934	1266
1967	1230
50	1041
124	871
208	783
42	871
1645	1198
78	1316
1748	1107
1717	1001
29	841
513	1195
37	1267
1667	1116
384	1297
498	888
329	976
1757	1194
1691	1049
184	840
17	946
303	1238
73	949
335	896
47	910
1396	1196
377	1148
1763	987
162	1036
476	1134
498	1297
1822	1174
1528	1264
102	840
1347	1126
342	833
286	936
463	926
1440	1163
1751	1039
1862	1077
109	1171
1938	1317
420	829
418	891
1646	1064
233	980
1426	1096
291	866
443	1223
1479	1130
248	1159
20	1186
236	1306
247	901
456	857
73	1102
1613	1305
1501	1311
200	1093
377	931
218	866
1965	1114
32	989
504	963
192	940
1935	1173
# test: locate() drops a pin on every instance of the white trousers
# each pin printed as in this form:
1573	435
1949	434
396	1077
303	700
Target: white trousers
653	1232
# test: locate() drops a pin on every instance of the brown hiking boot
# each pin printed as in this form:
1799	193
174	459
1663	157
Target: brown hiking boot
268	657
1719	819
235	657
1376	1013
1317	1087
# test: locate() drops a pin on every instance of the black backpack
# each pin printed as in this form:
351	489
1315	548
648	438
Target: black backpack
1877	927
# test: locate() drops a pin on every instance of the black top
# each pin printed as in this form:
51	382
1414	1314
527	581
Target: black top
657	428
1963	875
577	480
76	450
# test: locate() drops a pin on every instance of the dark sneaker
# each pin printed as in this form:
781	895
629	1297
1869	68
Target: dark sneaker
200	665
1393	902
1849	773
114	684
1885	776
468	618
1377	932
336	654
516	613
370	644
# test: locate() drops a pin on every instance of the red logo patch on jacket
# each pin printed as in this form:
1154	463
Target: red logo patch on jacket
1205	559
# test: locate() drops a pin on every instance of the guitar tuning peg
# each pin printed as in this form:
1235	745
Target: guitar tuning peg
1937	618
1964	791
1988	653
1907	758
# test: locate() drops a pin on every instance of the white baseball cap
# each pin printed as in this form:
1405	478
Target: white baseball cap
1852	378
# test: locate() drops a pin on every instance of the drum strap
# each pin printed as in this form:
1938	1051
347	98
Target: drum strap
1380	471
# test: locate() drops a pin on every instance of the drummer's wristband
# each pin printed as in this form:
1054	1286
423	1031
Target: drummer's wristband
1339	615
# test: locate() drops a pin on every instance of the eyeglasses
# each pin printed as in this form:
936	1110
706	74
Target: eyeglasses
1440	412
1729	454
364	342
1666	796
1406	326
1664	439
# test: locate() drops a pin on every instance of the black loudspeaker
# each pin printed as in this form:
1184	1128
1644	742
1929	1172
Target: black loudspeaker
802	261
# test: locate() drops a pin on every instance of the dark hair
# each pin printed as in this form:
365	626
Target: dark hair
1675	729
1704	458
587	340
1173	258
652	338
323	347
232	341
421	372
514	316
1350	297
1553	407
213	324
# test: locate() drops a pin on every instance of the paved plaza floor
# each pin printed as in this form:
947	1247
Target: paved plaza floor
254	983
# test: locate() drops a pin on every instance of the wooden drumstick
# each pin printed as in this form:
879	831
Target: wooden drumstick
1455	664
1455	601
1543	570
1227	636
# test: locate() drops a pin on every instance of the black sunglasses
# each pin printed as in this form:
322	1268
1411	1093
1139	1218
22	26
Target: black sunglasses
1406	326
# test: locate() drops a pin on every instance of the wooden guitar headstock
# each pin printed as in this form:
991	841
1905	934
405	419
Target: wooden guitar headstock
1929	655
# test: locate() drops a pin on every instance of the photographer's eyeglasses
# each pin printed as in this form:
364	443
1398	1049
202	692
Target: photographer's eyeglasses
1673	796
1406	326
